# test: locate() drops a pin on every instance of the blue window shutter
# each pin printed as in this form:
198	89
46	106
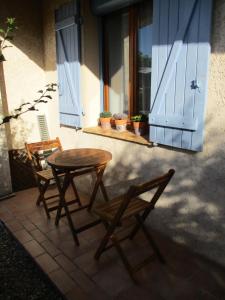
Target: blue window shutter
68	65
180	54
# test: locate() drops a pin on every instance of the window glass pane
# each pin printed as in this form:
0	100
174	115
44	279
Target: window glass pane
144	56
117	32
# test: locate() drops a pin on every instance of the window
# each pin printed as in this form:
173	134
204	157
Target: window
174	60
127	63
144	62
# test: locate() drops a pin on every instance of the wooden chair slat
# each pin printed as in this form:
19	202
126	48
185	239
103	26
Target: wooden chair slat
43	145
46	174
110	209
135	207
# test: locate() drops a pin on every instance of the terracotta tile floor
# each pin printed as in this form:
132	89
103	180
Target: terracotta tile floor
79	276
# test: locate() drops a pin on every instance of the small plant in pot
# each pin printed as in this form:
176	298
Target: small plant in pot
120	121
105	118
139	124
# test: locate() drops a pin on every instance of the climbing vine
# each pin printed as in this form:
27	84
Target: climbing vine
7	34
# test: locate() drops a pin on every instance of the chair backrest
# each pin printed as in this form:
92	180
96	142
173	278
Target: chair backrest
134	191
38	152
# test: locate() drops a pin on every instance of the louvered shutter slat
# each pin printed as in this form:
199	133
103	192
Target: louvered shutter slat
43	128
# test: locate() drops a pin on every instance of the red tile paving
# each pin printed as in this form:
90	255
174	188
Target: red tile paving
73	269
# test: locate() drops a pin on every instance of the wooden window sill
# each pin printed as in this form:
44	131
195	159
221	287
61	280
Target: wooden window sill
128	136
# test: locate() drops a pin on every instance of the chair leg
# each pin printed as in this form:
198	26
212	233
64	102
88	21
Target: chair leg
137	226
75	192
105	240
150	240
105	195
41	198
71	225
39	186
123	257
99	173
101	247
62	191
42	189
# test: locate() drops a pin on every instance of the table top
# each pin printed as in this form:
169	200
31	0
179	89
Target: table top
79	158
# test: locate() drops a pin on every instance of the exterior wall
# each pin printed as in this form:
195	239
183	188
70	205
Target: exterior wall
192	208
23	70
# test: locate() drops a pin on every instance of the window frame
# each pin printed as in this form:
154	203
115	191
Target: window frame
133	55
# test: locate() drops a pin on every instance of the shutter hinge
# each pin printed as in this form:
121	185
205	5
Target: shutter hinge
79	20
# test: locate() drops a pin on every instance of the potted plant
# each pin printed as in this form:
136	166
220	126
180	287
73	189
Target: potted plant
120	121
105	118
139	124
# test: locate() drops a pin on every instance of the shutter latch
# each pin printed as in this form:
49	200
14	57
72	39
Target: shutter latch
195	85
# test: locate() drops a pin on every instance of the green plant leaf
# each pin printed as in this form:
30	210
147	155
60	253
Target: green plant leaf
6	119
105	114
2	58
10	21
48	96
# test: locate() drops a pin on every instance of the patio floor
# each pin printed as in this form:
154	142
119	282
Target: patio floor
73	269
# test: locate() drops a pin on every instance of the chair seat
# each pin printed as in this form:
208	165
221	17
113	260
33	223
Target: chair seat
45	174
108	210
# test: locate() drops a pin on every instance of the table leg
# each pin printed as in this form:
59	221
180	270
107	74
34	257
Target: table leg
62	203
75	191
105	195
99	173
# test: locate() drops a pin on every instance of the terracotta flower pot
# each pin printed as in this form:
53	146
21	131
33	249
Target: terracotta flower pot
113	124
121	125
105	123
139	128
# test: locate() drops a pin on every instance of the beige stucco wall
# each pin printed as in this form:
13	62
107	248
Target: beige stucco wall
192	209
23	70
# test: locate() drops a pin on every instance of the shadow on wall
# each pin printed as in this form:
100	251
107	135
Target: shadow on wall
191	210
218	30
20	132
28	37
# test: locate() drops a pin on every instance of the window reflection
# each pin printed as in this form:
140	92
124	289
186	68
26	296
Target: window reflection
128	40
144	57
118	42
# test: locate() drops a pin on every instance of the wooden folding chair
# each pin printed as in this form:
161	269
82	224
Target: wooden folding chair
37	154
114	212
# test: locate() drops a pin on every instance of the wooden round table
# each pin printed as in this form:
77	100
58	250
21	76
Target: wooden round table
73	163
79	158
